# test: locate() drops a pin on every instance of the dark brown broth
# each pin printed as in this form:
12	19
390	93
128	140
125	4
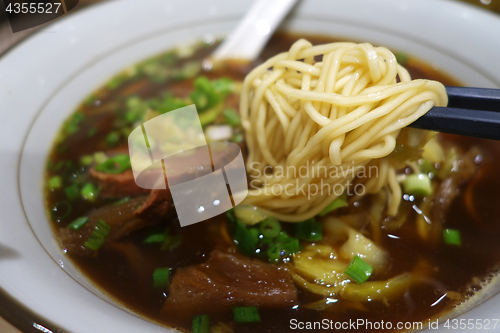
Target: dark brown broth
454	267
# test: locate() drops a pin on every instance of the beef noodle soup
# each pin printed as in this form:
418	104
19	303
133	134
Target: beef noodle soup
401	257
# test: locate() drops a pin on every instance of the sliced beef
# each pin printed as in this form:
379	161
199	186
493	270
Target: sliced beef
117	185
121	218
156	206
228	280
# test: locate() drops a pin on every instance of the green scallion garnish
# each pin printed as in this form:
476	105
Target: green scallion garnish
426	167
401	58
335	204
112	138
71	126
283	247
89	192
270	228
245	239
231	117
201	324
204	96
452	237
122	201
359	270
100	157
161	277
72	192
154	238
116	164
54	182
171	103
230	215
78	223
238	138
98	236
86	160
309	230
223	86
418	184
170	242
246	314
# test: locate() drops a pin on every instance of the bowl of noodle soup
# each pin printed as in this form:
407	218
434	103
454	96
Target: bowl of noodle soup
54	292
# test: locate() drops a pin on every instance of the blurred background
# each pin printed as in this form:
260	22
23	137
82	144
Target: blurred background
8	39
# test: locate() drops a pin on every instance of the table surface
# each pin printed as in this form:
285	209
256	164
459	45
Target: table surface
8	39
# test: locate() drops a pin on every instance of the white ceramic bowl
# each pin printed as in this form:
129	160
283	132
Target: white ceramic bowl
47	76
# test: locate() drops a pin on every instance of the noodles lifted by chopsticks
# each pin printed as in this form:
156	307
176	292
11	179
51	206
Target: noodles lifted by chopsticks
336	114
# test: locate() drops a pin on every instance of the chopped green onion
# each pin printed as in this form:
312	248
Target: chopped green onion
418	184
72	192
125	131
98	236
78	223
283	236
55	182
116	82
245	239
170	59
452	237
359	270
223	86
190	69
61	210
100	157
238	138
283	248
89	101
200	99
122	201
246	314
204	95
337	203
249	214
116	164
230	215
270	228
201	324
309	230
154	238
161	277
135	109
171	103
401	58
231	117
89	192
112	138
170	242
86	160
209	116
71	126
426	167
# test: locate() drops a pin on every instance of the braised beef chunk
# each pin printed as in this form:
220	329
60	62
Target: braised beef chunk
117	185
120	218
228	280
156	206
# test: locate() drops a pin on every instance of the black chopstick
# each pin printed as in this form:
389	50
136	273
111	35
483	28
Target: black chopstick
470	111
474	98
